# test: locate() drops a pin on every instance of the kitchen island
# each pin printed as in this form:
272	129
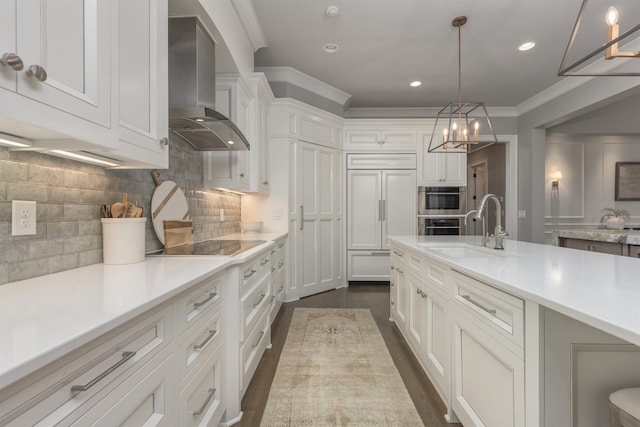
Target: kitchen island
617	242
557	329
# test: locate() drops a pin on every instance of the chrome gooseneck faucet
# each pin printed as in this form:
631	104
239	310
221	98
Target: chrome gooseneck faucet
499	233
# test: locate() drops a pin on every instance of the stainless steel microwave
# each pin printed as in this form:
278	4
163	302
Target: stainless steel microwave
442	200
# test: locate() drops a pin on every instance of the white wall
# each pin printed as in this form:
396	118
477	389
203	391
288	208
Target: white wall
587	163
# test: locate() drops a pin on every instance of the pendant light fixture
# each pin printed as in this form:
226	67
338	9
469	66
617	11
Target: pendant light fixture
461	126
595	17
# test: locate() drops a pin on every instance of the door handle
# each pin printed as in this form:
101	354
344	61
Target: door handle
301	217
379	210
384	210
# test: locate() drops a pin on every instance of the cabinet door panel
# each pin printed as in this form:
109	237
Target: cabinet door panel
7	42
399	195
416	312
436	341
71	41
364	207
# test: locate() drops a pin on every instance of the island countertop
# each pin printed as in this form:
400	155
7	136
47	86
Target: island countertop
598	289
628	237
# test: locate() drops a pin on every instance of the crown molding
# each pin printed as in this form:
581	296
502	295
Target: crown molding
304	81
249	19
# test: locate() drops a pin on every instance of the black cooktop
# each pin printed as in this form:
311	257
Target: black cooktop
212	247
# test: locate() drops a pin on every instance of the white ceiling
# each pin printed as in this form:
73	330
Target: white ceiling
385	44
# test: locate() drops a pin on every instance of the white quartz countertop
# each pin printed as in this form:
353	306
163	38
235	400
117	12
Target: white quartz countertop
44	318
598	289
630	237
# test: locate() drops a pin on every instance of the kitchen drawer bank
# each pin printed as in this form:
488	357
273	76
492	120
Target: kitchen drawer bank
473	317
150	342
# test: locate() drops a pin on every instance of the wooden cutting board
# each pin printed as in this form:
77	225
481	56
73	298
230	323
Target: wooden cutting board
178	233
167	203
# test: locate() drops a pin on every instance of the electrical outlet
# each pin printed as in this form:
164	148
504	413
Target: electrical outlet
277	214
522	214
23	218
221	214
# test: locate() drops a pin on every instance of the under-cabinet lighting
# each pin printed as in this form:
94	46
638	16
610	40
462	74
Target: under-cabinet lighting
14	141
81	157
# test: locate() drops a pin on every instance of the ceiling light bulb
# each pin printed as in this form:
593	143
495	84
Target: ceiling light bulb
526	46
415	83
230	142
199	120
331	48
612	16
332	11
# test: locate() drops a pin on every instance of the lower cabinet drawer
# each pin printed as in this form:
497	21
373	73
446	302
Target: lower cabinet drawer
195	303
199	343
66	391
144	399
368	265
252	350
202	401
254	304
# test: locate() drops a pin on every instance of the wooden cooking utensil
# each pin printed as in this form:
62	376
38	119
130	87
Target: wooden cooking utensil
117	210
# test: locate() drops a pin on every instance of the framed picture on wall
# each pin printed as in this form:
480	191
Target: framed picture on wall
628	181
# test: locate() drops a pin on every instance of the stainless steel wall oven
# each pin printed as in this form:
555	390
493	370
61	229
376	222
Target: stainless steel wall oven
442	200
441	210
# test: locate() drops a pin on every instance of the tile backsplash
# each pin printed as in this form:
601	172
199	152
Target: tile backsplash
69	195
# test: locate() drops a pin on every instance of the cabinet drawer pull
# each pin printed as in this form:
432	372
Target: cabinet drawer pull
393	303
37	72
212	333
259	339
477	304
12	60
280	289
393	284
249	273
272	298
211	296
400	254
281	244
212	392
265	182
273	269
399	271
242	175
392	267
280	264
379	253
273	251
259	300
126	355
164	141
264	261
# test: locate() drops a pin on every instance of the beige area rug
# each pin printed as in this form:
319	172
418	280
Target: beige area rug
335	370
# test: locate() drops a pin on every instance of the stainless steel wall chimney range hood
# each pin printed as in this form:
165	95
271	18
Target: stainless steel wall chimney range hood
192	90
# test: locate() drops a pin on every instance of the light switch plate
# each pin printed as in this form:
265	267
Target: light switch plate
522	214
23	218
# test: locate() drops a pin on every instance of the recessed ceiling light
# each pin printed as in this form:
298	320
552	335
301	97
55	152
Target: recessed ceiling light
332	11
526	46
331	48
415	83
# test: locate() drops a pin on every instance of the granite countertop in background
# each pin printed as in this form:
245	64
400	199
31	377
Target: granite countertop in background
629	237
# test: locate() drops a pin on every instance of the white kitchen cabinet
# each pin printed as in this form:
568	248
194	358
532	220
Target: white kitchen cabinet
258	133
316	208
142	81
231	169
376	140
398	283
66	390
417	310
379	203
488	351
440	169
70	42
278	276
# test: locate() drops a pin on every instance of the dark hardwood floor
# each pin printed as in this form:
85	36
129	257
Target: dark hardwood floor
376	298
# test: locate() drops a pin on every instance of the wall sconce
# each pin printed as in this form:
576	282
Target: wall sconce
555	182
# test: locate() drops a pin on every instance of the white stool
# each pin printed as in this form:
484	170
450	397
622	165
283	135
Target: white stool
624	408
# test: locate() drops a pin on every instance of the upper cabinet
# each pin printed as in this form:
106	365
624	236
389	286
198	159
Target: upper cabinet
440	169
57	58
142	58
379	135
246	100
88	75
293	119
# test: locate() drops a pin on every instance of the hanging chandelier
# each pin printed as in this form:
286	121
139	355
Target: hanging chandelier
596	17
461	126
